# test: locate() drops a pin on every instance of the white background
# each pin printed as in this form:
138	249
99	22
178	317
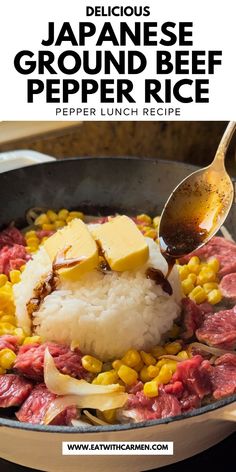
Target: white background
25	24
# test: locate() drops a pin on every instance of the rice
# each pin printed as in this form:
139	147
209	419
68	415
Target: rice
105	314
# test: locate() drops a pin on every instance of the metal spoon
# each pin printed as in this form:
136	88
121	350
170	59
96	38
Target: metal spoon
198	206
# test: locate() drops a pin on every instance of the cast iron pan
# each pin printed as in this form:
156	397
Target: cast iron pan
96	186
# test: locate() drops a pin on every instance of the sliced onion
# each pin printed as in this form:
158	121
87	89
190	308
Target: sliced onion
33	213
81	424
101	402
215	351
94	419
61	384
170	356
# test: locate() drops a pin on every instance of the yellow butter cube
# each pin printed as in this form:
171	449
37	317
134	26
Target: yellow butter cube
82	246
123	244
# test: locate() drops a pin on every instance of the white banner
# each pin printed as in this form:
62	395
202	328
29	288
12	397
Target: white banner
88	60
108	448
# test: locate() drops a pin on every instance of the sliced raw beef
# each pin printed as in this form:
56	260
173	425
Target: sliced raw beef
141	408
30	360
194	377
35	407
224	250
13	390
11	236
219	329
12	258
228	286
7	341
192	317
223	376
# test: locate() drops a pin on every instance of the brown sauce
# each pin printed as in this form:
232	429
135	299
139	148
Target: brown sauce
158	277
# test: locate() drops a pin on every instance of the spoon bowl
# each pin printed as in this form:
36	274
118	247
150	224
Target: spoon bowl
198	206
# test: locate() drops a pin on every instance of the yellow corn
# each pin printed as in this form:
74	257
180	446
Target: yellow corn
151	233
156	221
59	224
194	265
173	333
161	362
209	286
32	340
76	214
164	375
19	332
109	416
91	364
144	218
106	378
30	234
150	389
214	264
116	364
183	355
187	286
62	214
158	351
198	295
214	296
131	358
173	348
52	216
3	280
6	328
74	345
206	275
48	226
139	366
22	268
7	358
32	240
8	319
128	375
152	371
144	375
41	220
183	272
147	358
14	276
193	278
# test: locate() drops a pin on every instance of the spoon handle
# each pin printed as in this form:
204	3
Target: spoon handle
225	141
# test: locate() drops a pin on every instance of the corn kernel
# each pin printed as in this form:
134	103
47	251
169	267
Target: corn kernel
59	224
48	227
91	364
8	319
128	375
139	366
183	355
62	214
151	233
6	328
171	365
209	286
156	221
74	345
106	378
7	358
173	348
41	220
206	275
198	295
147	358
194	265
183	272
76	214
193	278
164	375
143	374
158	351
187	286
30	234
116	364
150	389
32	340
214	297
144	218
109	416
52	216
22	268
15	276
19	332
173	332
152	371
161	362
131	358
214	264
3	280
32	241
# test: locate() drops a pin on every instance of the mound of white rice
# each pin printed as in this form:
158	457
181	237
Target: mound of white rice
105	314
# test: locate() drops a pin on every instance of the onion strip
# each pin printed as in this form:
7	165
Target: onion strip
211	350
171	357
94	419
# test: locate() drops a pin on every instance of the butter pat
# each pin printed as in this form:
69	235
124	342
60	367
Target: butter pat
76	235
123	244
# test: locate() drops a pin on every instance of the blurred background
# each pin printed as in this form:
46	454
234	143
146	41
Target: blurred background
193	142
